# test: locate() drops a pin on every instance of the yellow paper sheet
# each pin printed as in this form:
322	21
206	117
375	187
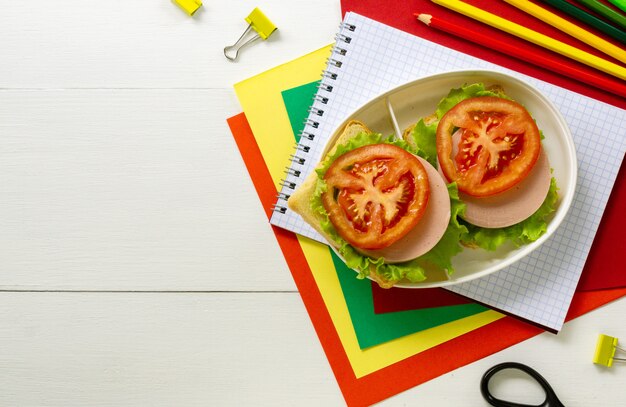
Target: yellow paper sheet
261	99
365	361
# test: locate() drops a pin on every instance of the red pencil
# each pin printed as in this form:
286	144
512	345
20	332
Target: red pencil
615	87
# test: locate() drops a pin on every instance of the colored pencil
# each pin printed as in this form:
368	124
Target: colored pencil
569	28
582	15
534	37
524	54
621	4
605	12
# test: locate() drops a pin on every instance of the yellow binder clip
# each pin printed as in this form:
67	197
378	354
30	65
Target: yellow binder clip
190	6
258	22
605	351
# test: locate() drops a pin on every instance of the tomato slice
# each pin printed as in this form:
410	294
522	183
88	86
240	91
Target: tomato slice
499	144
376	194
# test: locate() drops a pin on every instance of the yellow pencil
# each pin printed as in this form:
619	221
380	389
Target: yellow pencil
534	37
569	28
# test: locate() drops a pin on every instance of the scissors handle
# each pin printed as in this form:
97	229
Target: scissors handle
551	398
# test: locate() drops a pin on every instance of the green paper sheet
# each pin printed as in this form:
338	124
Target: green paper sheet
297	101
370	328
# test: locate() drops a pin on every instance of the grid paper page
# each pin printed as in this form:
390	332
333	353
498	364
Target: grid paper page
540	286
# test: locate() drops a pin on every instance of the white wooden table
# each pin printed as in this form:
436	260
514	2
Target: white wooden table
136	264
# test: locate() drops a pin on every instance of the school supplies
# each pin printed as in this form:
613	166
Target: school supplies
258	22
398	15
606	347
605	12
534	37
571	29
538	287
551	399
524	53
587	18
189	6
621	4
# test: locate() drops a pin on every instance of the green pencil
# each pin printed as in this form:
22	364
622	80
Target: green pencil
587	18
621	4
605	12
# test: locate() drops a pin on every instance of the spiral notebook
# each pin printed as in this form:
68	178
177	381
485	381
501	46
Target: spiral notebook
369	58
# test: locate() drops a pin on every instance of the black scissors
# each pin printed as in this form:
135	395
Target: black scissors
551	398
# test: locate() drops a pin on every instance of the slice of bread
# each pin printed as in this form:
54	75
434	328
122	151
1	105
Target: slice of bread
300	200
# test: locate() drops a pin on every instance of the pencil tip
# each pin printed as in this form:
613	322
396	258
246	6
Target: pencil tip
424	18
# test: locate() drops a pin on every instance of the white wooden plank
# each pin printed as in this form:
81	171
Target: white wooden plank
150	44
123	189
103	349
96	349
129	190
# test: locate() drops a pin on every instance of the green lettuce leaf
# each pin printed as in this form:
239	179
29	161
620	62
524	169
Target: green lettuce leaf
425	139
527	231
464	92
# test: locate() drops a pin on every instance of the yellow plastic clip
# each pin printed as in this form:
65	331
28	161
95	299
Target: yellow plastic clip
258	22
606	346
190	6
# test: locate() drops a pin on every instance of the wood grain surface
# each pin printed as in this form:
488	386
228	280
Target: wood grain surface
136	264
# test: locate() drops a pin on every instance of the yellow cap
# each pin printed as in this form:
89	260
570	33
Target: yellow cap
260	23
605	350
190	6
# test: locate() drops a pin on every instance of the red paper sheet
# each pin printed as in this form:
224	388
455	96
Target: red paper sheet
603	268
402	299
416	369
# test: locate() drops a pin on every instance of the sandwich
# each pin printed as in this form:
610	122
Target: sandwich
396	209
490	146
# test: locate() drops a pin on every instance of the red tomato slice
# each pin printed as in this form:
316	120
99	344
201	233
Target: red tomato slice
376	194
499	145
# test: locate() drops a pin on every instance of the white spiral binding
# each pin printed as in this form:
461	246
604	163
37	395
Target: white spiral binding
312	122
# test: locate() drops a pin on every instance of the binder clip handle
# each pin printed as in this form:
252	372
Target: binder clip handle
258	22
232	51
